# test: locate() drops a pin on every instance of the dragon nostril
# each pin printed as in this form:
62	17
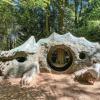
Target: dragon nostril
82	55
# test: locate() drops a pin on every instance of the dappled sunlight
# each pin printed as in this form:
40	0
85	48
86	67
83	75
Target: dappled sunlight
49	87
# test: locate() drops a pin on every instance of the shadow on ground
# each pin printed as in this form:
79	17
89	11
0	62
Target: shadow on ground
50	87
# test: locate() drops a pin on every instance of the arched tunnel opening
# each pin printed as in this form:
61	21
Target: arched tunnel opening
59	58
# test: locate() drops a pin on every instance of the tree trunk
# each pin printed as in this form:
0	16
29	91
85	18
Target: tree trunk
61	15
80	8
47	23
76	13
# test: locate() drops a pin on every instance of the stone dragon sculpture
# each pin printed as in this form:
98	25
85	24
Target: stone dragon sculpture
57	54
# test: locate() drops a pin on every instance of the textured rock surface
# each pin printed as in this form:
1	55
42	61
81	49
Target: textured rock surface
29	47
21	62
39	51
76	45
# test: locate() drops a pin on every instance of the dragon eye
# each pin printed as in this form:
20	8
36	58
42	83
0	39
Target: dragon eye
21	59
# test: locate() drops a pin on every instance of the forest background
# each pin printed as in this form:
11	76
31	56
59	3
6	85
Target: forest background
19	19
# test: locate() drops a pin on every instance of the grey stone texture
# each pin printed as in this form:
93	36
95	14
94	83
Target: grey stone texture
36	54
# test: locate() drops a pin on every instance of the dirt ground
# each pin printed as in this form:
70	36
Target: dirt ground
49	87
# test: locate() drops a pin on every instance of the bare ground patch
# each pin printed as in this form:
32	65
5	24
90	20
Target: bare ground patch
49	87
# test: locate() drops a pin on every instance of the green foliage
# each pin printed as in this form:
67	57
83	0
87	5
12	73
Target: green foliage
42	17
6	17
